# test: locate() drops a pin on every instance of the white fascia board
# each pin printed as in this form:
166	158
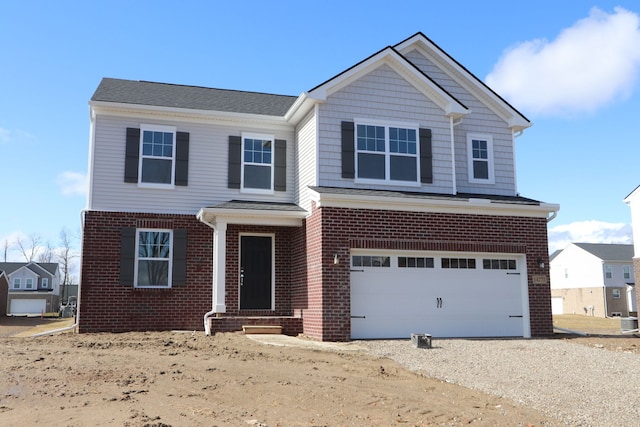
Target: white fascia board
251	216
465	79
182	114
301	107
433	205
630	198
400	65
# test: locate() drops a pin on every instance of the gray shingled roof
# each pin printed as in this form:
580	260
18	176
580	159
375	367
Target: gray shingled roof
417	195
10	267
608	251
268	206
191	97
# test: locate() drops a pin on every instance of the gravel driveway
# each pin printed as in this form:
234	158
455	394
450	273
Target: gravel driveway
579	385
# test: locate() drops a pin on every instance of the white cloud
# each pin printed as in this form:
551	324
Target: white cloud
588	65
72	183
588	232
4	136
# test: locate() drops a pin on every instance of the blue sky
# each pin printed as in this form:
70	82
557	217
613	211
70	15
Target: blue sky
573	68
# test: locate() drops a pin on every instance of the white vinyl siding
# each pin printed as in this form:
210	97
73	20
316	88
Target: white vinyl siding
208	165
481	120
306	156
382	95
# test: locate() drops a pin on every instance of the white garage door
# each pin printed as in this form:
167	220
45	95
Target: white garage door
446	295
28	306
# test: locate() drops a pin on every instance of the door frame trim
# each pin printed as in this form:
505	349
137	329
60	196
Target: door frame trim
273	266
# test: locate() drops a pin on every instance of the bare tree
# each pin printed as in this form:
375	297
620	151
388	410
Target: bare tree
47	254
29	249
5	249
65	258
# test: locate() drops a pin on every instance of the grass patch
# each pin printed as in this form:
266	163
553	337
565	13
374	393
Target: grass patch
588	324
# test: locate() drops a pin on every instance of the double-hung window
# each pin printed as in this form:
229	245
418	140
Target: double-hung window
257	162
28	283
626	272
153	258
157	155
480	158
17	283
387	153
608	272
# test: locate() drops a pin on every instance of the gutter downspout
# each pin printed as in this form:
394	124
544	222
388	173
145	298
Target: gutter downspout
452	124
212	312
77	316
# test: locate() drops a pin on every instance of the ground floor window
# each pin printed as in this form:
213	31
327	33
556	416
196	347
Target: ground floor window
153	258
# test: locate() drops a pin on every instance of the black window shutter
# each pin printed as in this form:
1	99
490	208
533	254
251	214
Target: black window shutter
182	158
426	157
132	153
127	256
179	268
348	150
235	161
280	166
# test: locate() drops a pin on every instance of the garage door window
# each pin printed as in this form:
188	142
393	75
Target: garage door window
415	262
499	264
371	261
461	263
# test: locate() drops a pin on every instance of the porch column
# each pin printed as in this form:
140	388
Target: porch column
219	266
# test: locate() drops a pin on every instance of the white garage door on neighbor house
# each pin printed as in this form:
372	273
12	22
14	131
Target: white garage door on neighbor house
28	306
443	294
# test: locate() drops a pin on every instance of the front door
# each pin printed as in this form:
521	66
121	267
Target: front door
255	272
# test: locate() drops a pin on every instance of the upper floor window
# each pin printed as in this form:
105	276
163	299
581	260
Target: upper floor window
157	155
153	258
45	282
626	271
257	162
17	283
608	271
480	158
28	283
387	153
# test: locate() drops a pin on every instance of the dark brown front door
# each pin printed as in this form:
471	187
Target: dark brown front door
255	272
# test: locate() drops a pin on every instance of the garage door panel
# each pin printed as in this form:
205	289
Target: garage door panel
28	306
394	302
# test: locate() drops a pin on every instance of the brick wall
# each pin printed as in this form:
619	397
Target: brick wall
328	315
106	305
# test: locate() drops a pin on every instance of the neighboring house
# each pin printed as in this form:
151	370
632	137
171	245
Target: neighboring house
33	287
380	203
4	291
595	279
633	201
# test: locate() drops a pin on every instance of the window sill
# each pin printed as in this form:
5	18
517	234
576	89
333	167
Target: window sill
156	186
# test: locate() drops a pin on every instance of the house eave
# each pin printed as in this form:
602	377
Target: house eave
184	114
475	206
213	216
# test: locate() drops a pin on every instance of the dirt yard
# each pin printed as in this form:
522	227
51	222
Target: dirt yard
188	379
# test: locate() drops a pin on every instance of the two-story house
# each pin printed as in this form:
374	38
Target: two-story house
594	279
33	288
380	203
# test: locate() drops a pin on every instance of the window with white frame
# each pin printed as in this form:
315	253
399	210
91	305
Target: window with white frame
257	162
480	158
28	283
615	293
626	272
45	282
608	271
153	258
387	153
17	283
157	155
